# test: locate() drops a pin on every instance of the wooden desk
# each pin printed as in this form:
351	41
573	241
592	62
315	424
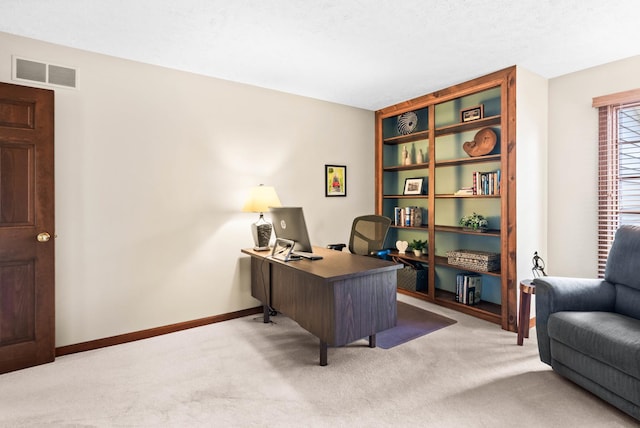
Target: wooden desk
339	299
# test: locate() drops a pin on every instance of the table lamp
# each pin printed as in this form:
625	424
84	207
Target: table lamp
260	199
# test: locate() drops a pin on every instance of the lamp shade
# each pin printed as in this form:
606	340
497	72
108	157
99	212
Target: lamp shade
260	199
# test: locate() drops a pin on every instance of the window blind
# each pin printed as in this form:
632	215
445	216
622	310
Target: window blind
618	173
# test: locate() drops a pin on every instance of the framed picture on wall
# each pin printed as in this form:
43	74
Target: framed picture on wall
335	180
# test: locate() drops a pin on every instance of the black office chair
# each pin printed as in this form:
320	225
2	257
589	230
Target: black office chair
368	233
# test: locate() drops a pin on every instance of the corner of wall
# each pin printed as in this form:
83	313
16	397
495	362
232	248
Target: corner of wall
532	97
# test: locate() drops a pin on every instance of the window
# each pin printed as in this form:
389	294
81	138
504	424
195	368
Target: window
618	167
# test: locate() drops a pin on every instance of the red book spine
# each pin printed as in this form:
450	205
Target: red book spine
475	183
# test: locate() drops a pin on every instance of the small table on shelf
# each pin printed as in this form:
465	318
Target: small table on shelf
527	288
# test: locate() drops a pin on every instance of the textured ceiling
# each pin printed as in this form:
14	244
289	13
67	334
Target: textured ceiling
367	54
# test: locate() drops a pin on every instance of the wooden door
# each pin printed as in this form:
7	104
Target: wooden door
26	227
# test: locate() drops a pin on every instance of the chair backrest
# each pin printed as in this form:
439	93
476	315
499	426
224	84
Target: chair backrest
622	262
623	270
368	234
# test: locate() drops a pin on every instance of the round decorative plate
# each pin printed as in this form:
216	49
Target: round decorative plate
407	122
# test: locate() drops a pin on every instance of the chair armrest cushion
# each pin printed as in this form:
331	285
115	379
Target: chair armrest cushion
555	294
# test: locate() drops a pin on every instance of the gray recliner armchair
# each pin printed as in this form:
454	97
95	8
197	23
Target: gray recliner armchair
589	329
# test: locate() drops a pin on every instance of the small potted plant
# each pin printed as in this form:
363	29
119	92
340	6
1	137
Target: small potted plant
419	247
475	222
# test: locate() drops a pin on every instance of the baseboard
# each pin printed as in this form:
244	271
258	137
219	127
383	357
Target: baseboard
152	332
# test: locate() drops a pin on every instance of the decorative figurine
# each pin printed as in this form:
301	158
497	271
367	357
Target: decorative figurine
402	246
538	266
406	160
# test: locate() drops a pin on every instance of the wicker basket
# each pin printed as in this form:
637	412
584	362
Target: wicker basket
412	279
477	260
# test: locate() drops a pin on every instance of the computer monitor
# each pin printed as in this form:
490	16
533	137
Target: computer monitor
288	223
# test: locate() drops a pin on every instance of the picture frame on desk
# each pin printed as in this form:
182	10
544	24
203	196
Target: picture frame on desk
335	180
472	113
413	186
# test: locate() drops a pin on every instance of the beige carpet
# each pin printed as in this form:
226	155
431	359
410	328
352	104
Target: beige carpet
243	373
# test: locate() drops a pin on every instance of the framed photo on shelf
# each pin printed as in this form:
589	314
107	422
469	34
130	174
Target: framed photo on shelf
413	186
472	113
335	180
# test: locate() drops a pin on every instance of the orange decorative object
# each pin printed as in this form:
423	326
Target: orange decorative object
483	143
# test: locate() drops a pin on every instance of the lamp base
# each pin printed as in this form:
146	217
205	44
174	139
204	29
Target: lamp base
261	231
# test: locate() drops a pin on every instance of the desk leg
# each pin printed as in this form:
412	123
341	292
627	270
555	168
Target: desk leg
323	353
372	341
265	314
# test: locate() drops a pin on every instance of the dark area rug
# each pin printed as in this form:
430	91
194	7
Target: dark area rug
412	323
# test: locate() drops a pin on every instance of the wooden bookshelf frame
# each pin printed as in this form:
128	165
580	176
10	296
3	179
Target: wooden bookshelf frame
505	313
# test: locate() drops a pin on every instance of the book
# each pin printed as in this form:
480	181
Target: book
465	191
410	216
486	183
468	288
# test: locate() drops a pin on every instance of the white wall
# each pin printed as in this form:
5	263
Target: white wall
573	163
152	168
531	163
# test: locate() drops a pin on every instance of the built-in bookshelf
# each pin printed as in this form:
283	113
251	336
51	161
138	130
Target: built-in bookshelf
422	162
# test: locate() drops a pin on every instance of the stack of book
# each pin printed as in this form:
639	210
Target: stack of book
464	191
468	288
486	183
407	216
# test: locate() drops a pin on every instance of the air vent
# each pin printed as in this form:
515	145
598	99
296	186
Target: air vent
41	72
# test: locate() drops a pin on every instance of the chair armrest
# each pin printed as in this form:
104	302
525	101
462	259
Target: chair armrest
337	247
555	294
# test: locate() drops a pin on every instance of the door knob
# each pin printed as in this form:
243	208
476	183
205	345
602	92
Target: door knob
43	237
